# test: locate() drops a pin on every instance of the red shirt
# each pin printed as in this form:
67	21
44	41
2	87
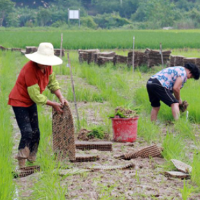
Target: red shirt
29	75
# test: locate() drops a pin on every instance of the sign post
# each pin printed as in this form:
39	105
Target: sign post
61	45
74	14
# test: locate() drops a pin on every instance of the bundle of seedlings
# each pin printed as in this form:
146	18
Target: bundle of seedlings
124	113
183	106
95	133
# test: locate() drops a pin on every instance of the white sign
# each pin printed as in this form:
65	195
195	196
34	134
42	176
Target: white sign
73	14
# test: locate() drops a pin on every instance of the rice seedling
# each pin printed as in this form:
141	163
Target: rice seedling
148	130
105	191
184	129
7	186
186	190
83	121
196	168
110	89
84	94
97	132
103	39
137	177
49	187
173	148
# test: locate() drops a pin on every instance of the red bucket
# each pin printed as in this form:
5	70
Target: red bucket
124	129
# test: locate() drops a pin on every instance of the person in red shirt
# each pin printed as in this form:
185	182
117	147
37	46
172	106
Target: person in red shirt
34	77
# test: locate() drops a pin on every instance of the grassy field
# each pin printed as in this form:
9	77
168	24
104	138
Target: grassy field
102	39
103	88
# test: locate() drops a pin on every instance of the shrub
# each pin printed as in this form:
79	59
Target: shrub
88	22
58	24
110	20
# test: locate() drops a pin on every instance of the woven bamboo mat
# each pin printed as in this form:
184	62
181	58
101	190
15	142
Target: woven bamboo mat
26	171
63	134
181	166
85	158
150	151
98	145
115	167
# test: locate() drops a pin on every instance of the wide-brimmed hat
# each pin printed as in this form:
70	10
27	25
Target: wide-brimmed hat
45	55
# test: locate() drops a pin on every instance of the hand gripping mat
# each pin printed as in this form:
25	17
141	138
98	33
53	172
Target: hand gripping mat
25	171
150	151
115	167
63	134
99	145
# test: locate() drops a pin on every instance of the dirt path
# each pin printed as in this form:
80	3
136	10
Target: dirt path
145	181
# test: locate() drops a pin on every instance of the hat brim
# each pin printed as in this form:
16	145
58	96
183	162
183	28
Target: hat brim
44	60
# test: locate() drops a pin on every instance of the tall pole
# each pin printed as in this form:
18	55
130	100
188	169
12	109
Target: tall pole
61	45
72	82
79	17
133	53
68	16
61	51
161	55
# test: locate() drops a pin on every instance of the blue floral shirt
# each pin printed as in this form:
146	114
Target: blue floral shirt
168	76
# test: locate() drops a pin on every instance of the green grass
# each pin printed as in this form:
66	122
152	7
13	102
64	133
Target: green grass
173	146
186	191
148	130
196	168
103	39
185	129
7	186
117	86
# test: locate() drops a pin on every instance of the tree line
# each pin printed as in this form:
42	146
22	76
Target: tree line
95	14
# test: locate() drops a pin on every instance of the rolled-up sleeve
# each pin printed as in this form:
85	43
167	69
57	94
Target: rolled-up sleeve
53	84
34	93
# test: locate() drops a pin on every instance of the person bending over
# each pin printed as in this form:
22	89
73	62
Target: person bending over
165	86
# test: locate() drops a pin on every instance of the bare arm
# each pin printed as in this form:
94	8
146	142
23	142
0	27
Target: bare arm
56	106
60	97
177	88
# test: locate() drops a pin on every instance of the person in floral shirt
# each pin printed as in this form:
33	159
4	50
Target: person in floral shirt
165	86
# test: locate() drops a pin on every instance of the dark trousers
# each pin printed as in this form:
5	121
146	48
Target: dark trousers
27	120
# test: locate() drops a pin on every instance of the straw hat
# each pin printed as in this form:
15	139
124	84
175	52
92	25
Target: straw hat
45	55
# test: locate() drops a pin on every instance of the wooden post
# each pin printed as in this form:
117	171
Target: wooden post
61	45
79	18
161	55
68	16
133	53
174	62
72	82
